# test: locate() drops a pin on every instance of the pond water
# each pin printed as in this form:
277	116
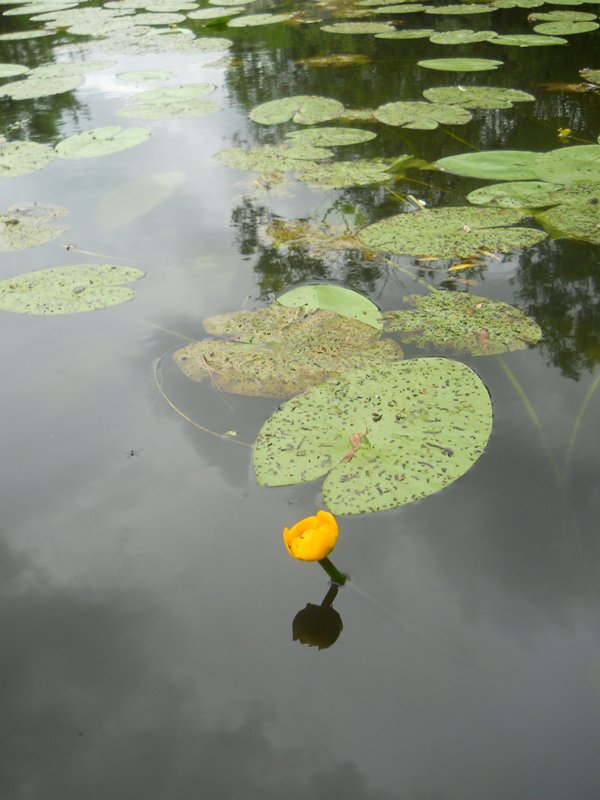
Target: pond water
147	597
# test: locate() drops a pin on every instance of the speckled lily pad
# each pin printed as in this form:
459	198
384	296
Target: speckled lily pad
464	36
278	351
101	141
426	420
515	194
172	102
477	96
271	157
575	221
68	290
339	174
303	109
420	115
463	8
463	323
356	28
29	225
409	33
445	232
330	137
527	40
20	158
253	20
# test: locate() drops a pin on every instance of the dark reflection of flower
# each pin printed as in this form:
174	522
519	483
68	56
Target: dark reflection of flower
318	626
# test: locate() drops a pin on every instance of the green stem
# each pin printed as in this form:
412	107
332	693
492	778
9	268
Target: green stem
333	572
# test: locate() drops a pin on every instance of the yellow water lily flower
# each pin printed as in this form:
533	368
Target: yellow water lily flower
313	538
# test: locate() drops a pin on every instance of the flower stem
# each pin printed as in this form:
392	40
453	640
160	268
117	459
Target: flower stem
335	575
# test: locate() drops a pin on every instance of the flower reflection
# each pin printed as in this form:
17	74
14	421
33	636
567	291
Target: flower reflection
318	626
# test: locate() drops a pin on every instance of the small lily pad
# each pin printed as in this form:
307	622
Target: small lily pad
252	20
29	225
569	164
12	70
339	174
445	232
517	194
462	37
101	141
420	115
303	109
565	28
460	64
426	422
577	221
527	40
463	323
477	96
279	351
68	290
354	28
271	157
20	158
330	137
511	165
338	299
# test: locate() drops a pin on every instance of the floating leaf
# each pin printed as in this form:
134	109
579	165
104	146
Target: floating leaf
517	3
569	164
591	75
477	96
492	164
460	64
428	420
358	27
338	299
130	200
527	40
101	141
143	75
12	70
278	351
411	8
172	102
330	137
30	88
251	20
520	194
271	157
339	174
20	158
565	28
215	12
563	16
463	8
444	232
335	60
18	35
409	33
462	37
420	115
576	221
318	237
68	290
456	320
303	109
29	225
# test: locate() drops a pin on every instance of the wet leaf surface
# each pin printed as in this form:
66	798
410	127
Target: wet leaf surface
29	225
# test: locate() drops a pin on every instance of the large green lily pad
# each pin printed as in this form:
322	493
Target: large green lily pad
20	158
330	137
565	28
516	194
353	28
101	141
445	232
421	424
409	33
463	36
279	351
271	157
339	174
569	164
303	109
420	115
29	225
511	165
573	221
68	290
463	8
563	16
338	299
128	201
460	64
527	40
477	96
32	87
463	323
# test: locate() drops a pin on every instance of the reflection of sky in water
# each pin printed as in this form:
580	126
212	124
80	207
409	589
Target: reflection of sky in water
148	600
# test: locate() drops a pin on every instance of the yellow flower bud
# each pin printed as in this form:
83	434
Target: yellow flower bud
313	538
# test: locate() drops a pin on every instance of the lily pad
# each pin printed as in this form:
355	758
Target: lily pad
172	102
215	12
20	158
527	40
252	20
427	421
590	75
511	165
339	174
408	8
409	33
577	221
16	36
29	225
334	60
518	194
271	157
569	164
143	75
338	299
318	238
463	323
477	96
330	137
68	290
130	200
303	109
12	70
462	37
563	16
279	351
463	8
30	87
460	64
420	115
101	141
445	232
358	27
565	28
